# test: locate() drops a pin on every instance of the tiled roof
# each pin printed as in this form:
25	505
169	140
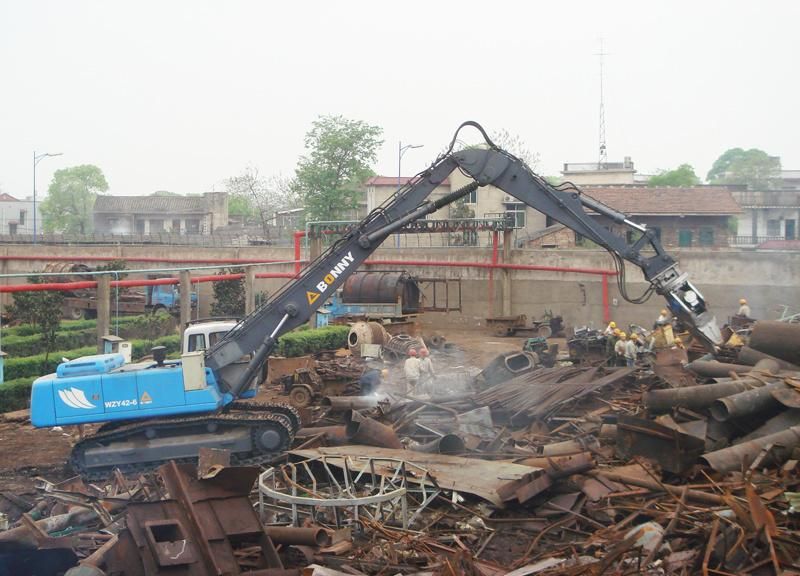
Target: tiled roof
7	198
666	201
392	181
151	204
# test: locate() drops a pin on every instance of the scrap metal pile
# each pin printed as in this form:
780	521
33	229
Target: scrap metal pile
656	469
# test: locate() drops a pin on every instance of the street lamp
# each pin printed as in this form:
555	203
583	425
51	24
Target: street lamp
36	159
400	151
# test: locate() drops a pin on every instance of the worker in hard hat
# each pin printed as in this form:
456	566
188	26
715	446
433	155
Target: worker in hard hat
663	318
744	308
619	349
610	328
426	371
611	341
679	343
411	369
630	351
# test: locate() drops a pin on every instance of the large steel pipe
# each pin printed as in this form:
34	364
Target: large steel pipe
740	456
372	433
344	403
751	356
714	369
447	444
695	396
291	536
334	434
746	403
778	339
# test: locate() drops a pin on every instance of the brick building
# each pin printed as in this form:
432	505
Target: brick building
144	215
682	217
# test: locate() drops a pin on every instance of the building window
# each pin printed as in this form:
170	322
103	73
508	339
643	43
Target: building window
706	236
156	225
685	238
193	226
472	197
773	227
789	229
12	228
140	227
22	217
176	226
517	212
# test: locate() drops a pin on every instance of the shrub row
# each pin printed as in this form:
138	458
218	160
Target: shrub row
69	325
19	346
302	342
15	394
35	366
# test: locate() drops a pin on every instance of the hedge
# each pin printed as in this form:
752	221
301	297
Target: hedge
302	342
15	394
20	346
35	366
69	325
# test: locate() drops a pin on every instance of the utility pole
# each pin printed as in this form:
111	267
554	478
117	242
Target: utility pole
36	159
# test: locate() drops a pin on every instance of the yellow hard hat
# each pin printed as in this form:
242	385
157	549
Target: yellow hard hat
678	340
384	372
742	301
613	324
617	331
622	335
664	312
634	336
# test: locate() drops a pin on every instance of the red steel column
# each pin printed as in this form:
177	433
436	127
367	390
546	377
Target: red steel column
606	314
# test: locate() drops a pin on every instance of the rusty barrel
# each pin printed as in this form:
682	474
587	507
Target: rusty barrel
383	288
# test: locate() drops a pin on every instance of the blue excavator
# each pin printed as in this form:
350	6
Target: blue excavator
155	411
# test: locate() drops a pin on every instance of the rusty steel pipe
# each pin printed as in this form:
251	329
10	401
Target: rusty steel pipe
334	434
778	339
740	456
745	403
372	433
292	536
782	421
714	369
748	355
695	396
344	403
447	444
562	466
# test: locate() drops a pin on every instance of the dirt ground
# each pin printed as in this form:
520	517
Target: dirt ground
28	452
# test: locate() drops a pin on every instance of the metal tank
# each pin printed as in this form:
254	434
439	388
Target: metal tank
383	287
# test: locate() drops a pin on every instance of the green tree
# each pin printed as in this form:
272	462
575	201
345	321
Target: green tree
229	295
70	199
240	206
41	309
330	176
753	167
683	175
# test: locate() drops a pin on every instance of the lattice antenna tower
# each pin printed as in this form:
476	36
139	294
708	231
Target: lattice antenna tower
603	158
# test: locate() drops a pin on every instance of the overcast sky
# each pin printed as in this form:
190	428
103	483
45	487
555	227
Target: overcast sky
180	95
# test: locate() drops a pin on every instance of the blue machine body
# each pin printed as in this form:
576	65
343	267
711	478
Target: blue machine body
101	389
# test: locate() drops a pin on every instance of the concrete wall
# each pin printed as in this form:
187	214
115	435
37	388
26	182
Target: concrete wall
766	279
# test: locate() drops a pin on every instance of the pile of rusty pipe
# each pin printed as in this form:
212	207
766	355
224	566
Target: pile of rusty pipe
751	356
691	495
447	444
778	339
745	403
568	447
291	536
782	421
336	435
740	456
372	433
344	403
696	396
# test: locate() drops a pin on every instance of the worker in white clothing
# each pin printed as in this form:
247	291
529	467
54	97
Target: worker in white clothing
426	371
610	328
630	351
412	371
744	309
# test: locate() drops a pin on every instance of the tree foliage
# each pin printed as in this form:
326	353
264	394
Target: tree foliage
254	196
229	295
41	309
70	199
515	145
683	175
753	167
330	176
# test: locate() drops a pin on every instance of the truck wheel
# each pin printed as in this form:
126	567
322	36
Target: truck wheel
300	397
75	314
158	308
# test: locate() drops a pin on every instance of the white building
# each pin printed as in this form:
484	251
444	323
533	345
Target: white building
16	216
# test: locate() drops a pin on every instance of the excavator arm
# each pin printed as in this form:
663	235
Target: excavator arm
299	299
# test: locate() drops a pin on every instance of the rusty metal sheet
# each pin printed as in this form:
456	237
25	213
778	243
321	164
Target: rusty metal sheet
669	367
675	451
477	477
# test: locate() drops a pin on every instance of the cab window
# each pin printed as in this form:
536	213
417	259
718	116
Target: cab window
197	342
